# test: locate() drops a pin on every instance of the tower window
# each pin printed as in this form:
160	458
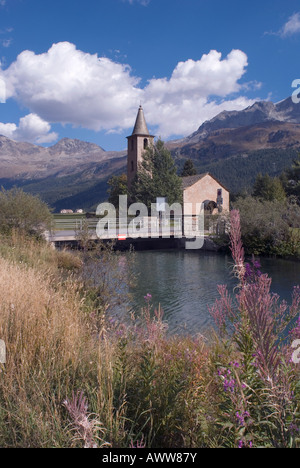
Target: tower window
132	166
145	143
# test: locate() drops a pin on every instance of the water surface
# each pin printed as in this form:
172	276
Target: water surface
185	283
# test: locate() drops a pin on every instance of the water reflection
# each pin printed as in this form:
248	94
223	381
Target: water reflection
185	284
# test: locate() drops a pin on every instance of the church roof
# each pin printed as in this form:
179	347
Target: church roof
140	127
191	180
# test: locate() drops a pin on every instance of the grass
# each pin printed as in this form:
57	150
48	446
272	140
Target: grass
20	249
46	338
74	377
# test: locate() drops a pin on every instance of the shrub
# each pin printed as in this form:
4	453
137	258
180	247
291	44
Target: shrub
68	260
23	212
268	226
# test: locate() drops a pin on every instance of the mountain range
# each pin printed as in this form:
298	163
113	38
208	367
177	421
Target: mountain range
25	161
234	146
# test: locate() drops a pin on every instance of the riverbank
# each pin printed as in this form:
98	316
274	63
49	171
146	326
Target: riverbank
74	377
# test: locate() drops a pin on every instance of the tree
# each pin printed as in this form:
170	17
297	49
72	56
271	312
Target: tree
157	177
268	188
188	169
118	186
23	212
291	181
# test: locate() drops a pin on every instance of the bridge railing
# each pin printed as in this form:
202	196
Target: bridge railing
138	227
112	224
74	224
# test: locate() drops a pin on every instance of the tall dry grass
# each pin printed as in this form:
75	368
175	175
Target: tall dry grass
59	361
48	348
22	249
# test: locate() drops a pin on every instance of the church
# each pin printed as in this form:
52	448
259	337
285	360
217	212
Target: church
197	190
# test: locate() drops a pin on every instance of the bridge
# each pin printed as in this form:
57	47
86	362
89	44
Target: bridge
72	230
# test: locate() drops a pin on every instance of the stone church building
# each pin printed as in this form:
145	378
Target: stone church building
198	189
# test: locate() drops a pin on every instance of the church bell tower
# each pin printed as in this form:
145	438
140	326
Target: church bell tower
138	142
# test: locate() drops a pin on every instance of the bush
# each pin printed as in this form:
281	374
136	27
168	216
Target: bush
68	260
23	212
268	227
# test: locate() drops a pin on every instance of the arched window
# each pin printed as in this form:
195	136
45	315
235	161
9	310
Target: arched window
145	143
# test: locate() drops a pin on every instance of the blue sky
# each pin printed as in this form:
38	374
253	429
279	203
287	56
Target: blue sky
80	69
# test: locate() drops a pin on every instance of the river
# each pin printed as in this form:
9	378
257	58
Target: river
185	283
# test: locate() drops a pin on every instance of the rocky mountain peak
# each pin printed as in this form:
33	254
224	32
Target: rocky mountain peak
68	145
259	112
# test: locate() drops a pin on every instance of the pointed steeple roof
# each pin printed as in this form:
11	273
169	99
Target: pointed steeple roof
140	127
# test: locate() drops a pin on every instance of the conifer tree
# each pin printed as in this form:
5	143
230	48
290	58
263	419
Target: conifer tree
157	177
268	188
188	169
117	187
291	180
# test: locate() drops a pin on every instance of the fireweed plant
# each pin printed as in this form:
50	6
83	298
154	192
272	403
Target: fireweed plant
254	376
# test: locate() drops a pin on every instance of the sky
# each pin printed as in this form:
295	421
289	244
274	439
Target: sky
80	69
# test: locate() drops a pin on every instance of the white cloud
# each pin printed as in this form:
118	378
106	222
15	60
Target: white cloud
65	85
185	119
69	86
208	76
183	100
31	128
292	26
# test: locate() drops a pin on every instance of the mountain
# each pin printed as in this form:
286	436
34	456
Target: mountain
27	161
234	146
61	172
261	112
229	142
